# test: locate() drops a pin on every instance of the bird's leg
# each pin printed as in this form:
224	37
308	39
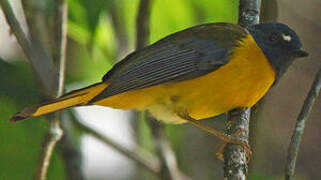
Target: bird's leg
220	155
224	137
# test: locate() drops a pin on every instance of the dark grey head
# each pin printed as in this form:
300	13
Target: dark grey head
280	44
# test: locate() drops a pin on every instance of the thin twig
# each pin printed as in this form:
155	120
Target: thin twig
235	160
40	62
142	37
60	41
69	149
16	28
38	21
45	73
169	167
55	132
147	160
300	125
139	155
142	23
52	137
119	29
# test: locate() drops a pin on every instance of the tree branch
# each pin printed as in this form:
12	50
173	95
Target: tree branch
142	23
60	41
249	11
16	28
38	24
45	72
300	125
52	137
55	132
70	151
119	29
235	160
40	62
140	156
169	168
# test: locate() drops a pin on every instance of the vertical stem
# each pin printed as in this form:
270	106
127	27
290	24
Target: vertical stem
55	132
249	11
169	168
60	41
43	67
142	23
16	28
71	154
40	62
53	135
235	160
120	30
299	127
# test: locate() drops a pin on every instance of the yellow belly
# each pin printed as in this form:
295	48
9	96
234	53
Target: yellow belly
240	83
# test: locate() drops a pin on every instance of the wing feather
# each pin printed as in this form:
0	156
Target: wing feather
175	58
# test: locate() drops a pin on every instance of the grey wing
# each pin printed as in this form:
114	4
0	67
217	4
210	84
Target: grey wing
169	61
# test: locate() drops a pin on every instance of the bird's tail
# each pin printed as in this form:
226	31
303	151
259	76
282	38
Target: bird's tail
74	98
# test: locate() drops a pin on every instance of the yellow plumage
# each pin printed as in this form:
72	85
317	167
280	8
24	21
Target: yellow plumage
239	83
79	97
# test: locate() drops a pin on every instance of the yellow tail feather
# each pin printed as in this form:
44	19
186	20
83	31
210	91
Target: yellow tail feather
74	98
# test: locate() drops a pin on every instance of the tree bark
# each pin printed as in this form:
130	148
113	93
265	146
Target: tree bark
235	160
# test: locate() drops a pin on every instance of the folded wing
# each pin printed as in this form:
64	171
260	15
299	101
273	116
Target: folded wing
178	57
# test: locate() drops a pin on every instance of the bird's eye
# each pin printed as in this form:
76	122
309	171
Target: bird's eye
274	37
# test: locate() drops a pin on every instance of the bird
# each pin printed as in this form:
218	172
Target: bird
197	73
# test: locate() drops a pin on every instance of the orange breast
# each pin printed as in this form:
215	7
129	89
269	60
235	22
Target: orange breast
240	83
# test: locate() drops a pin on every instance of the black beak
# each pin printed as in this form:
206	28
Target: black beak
300	53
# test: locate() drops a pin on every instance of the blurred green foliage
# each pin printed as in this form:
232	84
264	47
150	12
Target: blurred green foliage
91	27
20	143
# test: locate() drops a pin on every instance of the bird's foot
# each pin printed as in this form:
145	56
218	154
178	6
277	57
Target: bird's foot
222	136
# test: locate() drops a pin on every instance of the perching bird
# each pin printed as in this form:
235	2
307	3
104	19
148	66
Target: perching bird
193	74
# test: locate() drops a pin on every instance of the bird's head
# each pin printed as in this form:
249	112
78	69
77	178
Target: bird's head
280	44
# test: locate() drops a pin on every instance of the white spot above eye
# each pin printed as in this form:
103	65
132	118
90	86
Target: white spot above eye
286	37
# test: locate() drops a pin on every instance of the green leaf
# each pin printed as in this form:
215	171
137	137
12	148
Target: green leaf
86	13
